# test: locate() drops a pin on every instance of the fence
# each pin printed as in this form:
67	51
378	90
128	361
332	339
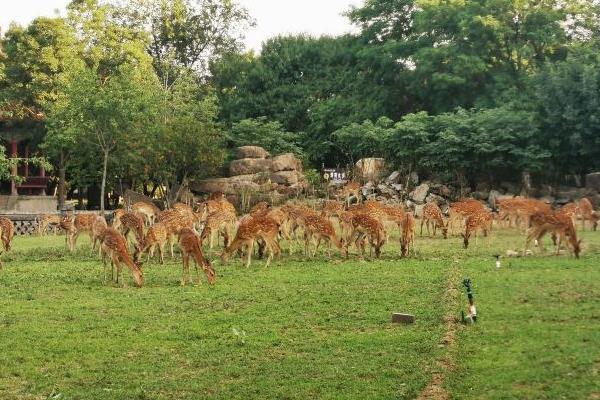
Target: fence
27	224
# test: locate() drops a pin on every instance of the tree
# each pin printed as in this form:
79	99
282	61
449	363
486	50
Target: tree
264	133
188	34
105	114
368	139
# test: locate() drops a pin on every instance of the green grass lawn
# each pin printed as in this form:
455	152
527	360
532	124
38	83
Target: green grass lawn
302	328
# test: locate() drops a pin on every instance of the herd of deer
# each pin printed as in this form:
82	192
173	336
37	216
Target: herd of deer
359	224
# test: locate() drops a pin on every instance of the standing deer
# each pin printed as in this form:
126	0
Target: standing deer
149	211
98	227
48	220
133	221
433	215
588	214
81	223
478	221
8	232
556	223
364	227
191	245
321	228
115	245
250	230
407	240
157	235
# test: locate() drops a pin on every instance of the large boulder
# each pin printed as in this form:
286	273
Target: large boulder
370	169
252	152
420	193
225	185
286	177
247	166
592	181
286	162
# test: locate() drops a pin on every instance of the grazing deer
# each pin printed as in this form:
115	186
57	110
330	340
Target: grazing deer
321	228
351	189
149	211
556	223
571	210
460	210
115	245
407	240
218	203
48	220
587	213
157	235
365	226
174	221
98	227
478	221
251	229
8	232
81	223
220	222
190	245
432	214
133	221
116	221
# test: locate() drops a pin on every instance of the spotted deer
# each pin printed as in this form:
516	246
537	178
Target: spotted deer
67	225
133	222
115	246
477	221
174	222
48	220
116	220
557	223
82	223
407	240
320	228
149	211
98	227
571	210
460	210
350	190
586	210
365	227
220	222
432	215
191	246
157	236
250	230
8	232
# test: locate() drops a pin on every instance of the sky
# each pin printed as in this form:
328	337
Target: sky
272	17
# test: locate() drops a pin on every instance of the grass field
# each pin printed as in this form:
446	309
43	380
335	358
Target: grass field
302	328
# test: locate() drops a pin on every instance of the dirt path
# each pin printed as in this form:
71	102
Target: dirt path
435	390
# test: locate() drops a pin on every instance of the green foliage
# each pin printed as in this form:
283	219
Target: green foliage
363	140
268	134
567	103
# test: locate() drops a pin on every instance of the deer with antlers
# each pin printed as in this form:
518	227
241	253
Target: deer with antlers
191	246
115	246
477	221
432	215
558	224
250	230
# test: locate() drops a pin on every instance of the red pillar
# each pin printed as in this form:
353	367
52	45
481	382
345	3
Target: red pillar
13	152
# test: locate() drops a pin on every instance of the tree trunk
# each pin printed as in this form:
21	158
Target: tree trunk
103	187
62	187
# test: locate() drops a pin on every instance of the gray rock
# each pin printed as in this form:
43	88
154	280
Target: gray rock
481	195
431	197
419	210
370	168
493	198
247	166
414	178
398	187
420	193
286	177
386	190
393	178
592	181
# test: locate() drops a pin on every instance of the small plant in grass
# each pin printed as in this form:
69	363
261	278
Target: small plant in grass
239	335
